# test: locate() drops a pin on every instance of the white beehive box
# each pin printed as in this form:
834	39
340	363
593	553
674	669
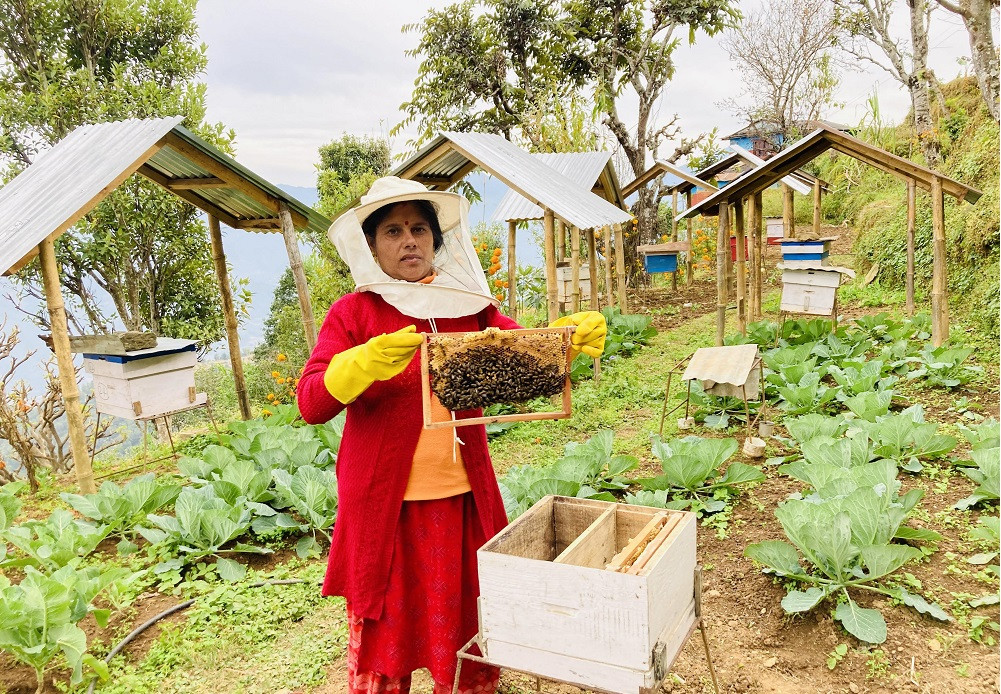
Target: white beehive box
774	230
146	383
564	282
549	606
810	291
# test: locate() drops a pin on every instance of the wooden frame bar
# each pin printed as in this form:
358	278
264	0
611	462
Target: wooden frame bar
519	417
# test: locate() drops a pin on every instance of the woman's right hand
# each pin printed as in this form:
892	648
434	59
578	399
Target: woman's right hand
352	371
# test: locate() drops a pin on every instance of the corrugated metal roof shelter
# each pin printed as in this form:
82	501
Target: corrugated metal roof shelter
67	181
589	170
687	179
451	155
821	140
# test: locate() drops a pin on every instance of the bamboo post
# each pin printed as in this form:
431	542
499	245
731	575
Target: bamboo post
620	268
674	233
607	237
512	270
561	241
816	206
939	283
575	268
690	269
762	249
911	214
754	295
738	210
549	245
64	361
592	267
299	274
722	250
232	338
788	213
729	254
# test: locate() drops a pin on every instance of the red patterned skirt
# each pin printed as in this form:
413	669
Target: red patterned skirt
430	605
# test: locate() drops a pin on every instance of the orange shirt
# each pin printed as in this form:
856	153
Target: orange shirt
436	473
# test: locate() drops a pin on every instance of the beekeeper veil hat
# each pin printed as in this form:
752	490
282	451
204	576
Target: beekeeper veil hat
459	287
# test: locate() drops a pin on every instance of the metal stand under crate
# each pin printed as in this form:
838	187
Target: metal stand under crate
663	668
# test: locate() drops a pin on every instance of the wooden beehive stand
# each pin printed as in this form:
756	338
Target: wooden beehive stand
565	412
145	389
590	593
679	369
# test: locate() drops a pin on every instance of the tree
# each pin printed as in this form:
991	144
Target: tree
976	15
68	62
867	25
781	51
347	167
491	65
32	424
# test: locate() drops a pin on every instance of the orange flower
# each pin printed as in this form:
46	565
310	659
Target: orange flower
275	374
280	381
271	396
266	413
281	357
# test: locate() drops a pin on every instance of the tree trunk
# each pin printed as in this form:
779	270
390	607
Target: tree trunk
917	84
982	48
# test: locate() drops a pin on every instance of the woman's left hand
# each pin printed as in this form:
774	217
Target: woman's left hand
589	337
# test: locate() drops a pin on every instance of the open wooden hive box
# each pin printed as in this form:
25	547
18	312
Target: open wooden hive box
552	602
475	369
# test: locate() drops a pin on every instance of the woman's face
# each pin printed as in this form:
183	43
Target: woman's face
404	244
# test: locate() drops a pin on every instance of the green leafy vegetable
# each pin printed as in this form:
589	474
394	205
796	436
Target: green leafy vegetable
53	543
39	617
123	508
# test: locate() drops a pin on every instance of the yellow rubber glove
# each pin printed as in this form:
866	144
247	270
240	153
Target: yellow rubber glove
352	371
589	337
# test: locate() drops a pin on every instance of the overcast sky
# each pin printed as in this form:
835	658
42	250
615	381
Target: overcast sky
291	76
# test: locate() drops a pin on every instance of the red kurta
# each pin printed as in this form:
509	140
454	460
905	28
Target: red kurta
377	448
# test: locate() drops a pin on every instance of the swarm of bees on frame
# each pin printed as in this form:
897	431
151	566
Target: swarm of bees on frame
495	366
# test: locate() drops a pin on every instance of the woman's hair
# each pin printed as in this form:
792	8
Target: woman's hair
426	208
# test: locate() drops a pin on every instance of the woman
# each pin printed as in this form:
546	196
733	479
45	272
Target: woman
414	504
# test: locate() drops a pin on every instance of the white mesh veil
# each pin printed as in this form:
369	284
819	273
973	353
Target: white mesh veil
460	287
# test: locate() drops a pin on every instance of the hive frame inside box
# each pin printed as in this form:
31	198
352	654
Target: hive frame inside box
548	606
679	369
519	417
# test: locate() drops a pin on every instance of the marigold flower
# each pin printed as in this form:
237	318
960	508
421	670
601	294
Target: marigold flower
271	396
275	374
280	357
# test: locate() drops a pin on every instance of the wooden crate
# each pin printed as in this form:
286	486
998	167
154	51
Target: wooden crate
796	252
548	605
810	291
662	257
146	383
